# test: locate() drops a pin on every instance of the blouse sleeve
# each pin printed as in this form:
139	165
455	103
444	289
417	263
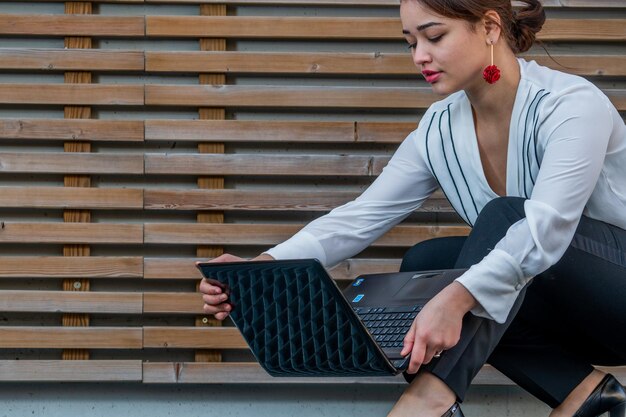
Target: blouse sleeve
400	189
575	131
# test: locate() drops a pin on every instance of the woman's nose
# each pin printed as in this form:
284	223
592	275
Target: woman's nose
420	56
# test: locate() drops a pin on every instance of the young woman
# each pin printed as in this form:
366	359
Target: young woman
535	161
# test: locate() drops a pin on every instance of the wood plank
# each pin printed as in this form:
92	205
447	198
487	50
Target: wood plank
599	30
184	268
271	234
71	163
250	131
71	198
73	129
71	267
290	97
193	337
280	62
306	97
71	302
172	303
345	28
549	4
349	63
252	373
50	60
72	94
108	370
249	200
271	165
70	337
70	233
71	25
278	131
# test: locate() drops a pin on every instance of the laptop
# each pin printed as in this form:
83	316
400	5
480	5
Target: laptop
298	322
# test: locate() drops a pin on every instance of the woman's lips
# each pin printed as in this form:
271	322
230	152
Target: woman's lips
431	76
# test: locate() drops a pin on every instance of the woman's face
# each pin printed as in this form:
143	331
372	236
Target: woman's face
449	54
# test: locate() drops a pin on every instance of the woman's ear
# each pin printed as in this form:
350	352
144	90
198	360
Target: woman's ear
492	26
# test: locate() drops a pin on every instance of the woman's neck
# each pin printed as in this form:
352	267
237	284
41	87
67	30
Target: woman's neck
494	101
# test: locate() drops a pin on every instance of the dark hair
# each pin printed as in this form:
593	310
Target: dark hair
518	25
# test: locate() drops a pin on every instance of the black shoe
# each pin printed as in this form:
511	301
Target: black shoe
609	396
455	411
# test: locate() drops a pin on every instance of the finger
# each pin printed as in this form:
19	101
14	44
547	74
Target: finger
214	309
417	355
430	353
221	316
408	340
214	299
207	288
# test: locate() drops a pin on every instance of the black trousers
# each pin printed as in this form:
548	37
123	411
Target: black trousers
569	317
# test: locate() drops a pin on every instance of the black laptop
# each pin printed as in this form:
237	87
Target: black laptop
298	322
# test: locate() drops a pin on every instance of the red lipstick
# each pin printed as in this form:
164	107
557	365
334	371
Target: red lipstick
431	76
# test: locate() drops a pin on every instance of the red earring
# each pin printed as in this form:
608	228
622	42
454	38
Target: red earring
491	74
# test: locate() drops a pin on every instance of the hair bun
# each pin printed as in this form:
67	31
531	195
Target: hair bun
526	22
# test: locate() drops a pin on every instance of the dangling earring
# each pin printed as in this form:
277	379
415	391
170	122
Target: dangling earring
491	74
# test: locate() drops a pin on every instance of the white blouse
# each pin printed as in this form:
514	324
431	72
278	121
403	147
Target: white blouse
566	155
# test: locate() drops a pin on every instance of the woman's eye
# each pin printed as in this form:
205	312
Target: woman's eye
435	39
412	45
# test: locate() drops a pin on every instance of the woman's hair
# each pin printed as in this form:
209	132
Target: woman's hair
519	26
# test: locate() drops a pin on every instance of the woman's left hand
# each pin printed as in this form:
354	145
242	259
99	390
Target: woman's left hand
438	326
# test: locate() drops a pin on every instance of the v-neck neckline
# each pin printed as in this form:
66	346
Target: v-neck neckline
510	153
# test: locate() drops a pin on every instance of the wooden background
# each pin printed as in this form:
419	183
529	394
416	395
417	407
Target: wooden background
139	136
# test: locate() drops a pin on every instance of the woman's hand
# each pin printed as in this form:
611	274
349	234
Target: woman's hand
438	326
215	301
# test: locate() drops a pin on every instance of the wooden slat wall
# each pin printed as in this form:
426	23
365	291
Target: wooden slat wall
230	136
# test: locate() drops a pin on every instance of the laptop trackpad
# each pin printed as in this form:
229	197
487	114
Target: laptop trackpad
422	286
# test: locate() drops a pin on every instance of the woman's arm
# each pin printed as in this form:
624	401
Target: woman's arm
400	189
575	130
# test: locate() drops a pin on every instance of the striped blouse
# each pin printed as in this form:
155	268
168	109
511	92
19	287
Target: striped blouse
566	156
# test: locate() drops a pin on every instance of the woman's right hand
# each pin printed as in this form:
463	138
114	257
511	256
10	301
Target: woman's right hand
215	301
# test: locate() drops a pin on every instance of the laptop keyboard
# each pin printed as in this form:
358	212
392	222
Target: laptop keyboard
388	325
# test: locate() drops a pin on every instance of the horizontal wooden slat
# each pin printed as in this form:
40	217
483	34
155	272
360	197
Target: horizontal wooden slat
269	234
306	97
71	197
382	28
71	59
291	27
71	266
173	303
71	337
280	62
72	94
246	373
71	163
71	302
250	131
277	131
390	3
184	268
108	370
69	233
193	337
349	63
71	25
289	97
72	129
272	165
263	200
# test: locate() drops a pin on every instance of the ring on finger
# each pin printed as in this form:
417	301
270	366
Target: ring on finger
438	354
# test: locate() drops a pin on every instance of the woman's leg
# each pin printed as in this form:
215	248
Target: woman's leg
459	365
573	315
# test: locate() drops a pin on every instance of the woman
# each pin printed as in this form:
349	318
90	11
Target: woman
535	161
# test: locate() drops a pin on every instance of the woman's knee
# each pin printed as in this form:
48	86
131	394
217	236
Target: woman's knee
438	253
